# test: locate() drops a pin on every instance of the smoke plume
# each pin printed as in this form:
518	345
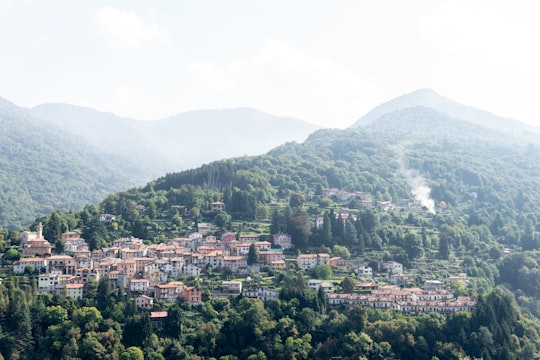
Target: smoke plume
420	191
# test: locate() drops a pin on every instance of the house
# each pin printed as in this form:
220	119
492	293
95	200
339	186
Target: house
261	293
401	280
278	264
192	294
367	286
306	261
327	286
84	274
235	263
169	292
75	291
107	217
269	256
310	261
157	318
139	285
83	261
393	267
52	283
385	205
61	264
246	238
263	245
218	206
283	240
231	287
240	249
127	267
433	285
227	237
364	270
144	302
37	263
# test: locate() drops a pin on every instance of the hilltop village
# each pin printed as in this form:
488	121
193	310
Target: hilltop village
153	272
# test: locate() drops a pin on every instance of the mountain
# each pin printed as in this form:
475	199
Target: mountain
429	99
178	142
43	169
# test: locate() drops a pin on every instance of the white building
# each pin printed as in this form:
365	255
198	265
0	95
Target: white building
393	267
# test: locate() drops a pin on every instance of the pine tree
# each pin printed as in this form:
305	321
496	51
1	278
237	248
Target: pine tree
253	255
444	250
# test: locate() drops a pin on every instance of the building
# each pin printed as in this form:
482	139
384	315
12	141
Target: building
192	294
393	267
310	261
169	292
38	263
75	291
218	206
364	270
261	293
144	302
157	318
283	240
402	280
248	238
231	287
433	285
139	285
33	243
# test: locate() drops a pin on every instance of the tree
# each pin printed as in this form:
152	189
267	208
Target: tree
300	229
325	235
132	353
413	245
12	255
297	200
137	330
350	234
222	219
348	284
275	226
341	251
323	271
444	250
253	255
172	325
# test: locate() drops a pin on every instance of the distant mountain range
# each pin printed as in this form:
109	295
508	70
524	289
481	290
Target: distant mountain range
178	142
424	109
61	157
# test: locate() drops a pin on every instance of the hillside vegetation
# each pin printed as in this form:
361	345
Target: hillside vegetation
43	169
447	196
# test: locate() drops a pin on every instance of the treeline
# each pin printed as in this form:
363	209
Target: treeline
299	325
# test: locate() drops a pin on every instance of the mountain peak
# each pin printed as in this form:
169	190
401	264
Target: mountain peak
427	98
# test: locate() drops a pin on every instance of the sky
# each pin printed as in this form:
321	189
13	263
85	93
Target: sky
325	62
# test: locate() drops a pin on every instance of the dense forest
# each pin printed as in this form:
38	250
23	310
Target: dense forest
462	195
107	325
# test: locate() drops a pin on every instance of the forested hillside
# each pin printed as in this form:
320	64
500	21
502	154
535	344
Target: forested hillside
438	194
43	169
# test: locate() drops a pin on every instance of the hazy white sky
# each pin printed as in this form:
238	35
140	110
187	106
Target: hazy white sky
325	62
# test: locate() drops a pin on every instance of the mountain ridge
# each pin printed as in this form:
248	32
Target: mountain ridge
173	138
430	99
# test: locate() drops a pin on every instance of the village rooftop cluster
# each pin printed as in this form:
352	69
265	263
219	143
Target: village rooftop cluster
145	272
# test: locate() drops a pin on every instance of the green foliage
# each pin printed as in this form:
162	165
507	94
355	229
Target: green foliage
253	255
323	271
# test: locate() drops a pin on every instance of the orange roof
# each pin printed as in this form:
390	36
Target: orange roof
158	314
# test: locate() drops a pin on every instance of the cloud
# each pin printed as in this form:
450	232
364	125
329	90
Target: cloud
124	30
287	81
